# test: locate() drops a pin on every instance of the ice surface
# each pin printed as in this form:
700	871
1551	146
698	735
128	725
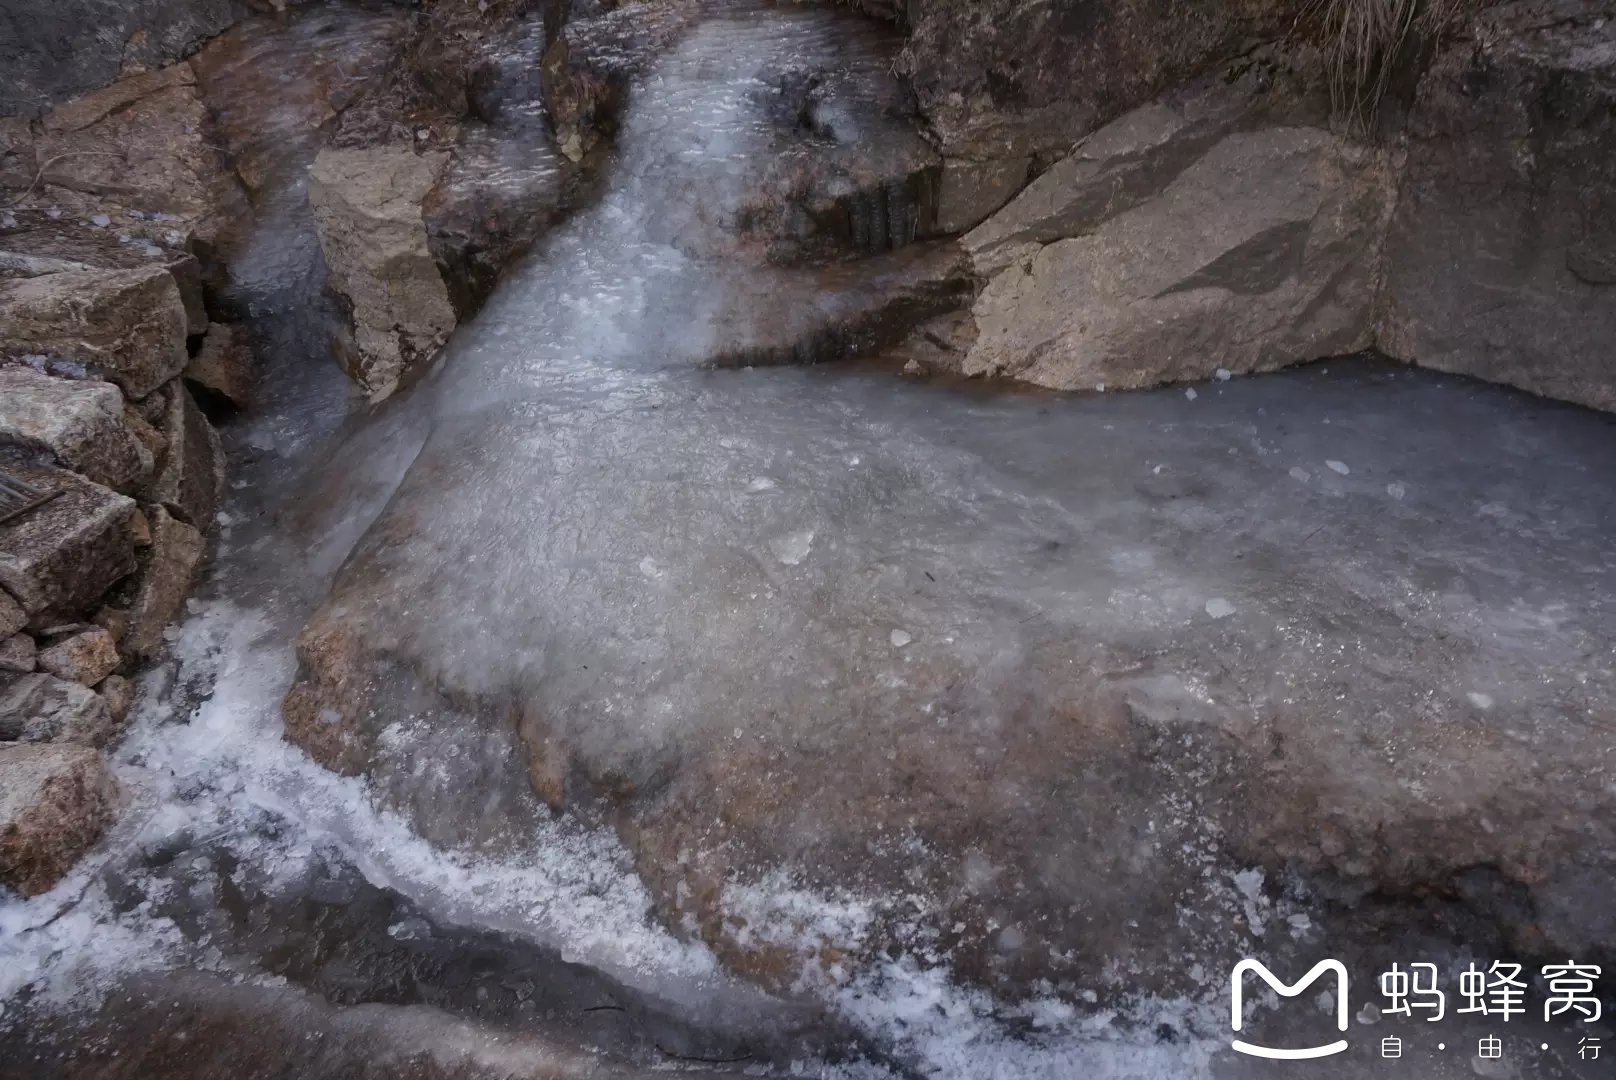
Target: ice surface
577	512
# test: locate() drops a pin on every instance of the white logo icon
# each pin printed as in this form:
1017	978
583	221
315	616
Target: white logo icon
1237	1018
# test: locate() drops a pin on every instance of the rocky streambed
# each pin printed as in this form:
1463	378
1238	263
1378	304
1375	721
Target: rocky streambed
586	681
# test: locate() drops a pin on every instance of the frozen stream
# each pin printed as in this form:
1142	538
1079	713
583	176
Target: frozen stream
596	563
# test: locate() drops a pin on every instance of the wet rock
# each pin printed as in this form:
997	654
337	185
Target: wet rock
79	424
187	1025
969	191
367	207
63	554
224	365
164	582
190	478
38	708
141	143
118	695
1191	248
85	658
850	173
505	184
842	311
1516	285
18	653
937	346
126	325
587	67
55	802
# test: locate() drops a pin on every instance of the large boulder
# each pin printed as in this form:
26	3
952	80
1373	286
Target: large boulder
1186	237
78	424
128	326
63	554
1501	261
367	206
55	802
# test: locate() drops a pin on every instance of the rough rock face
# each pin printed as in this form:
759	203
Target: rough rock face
140	143
32	242
53	52
78	424
1501	261
223	366
165	581
55	801
190	479
39	709
1001	80
61	556
367	206
126	325
18	653
85	657
1178	241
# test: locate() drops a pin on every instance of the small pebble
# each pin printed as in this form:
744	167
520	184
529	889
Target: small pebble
100	221
900	638
1223	374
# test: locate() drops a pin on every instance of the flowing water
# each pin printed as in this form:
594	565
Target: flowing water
579	507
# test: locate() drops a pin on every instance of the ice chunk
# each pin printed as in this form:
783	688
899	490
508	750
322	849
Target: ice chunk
1219	608
1338	467
900	638
1191	394
792	547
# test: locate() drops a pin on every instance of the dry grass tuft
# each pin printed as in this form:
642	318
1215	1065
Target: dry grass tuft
1365	40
